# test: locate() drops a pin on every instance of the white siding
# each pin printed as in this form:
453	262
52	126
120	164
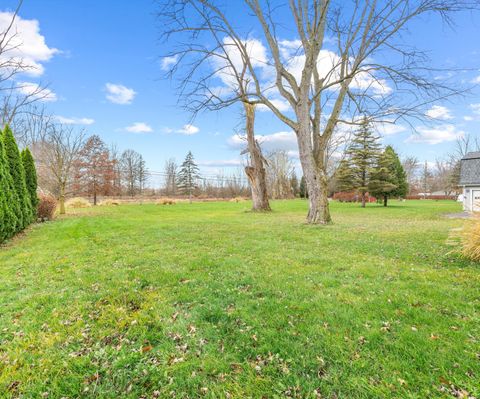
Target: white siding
471	204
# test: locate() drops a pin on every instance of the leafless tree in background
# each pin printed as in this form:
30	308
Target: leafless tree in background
16	97
356	81
133	171
411	167
55	157
170	171
32	125
279	171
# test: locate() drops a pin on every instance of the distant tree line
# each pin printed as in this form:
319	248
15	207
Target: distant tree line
18	186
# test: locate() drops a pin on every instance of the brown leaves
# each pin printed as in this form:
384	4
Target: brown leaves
385	327
146	348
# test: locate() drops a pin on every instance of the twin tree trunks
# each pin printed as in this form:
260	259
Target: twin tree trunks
314	170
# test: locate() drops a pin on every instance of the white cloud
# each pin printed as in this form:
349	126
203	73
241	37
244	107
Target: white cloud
328	64
286	141
168	62
26	43
439	112
475	108
119	94
281	104
388	128
36	91
221	163
139	127
468	118
257	54
74	121
476	80
188	130
436	135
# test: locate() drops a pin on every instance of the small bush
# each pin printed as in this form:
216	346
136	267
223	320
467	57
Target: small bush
77	202
46	207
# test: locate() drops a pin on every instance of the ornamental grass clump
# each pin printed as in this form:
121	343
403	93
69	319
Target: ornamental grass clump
471	241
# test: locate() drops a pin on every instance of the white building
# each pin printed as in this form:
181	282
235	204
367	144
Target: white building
470	181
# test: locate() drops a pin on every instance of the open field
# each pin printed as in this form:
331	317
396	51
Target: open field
210	300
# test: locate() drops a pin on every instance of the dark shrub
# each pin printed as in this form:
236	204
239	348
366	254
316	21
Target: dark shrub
46	207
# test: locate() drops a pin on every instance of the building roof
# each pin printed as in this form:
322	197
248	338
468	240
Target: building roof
472	155
470	169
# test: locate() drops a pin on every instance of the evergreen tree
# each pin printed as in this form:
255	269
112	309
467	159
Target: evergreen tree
344	177
15	166
30	177
188	175
383	179
303	188
362	153
8	203
402	184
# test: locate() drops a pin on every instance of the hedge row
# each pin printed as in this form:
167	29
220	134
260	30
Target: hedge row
18	186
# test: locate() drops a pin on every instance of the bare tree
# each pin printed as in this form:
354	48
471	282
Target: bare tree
279	170
171	169
411	166
330	85
32	124
16	97
56	154
426	180
133	171
232	67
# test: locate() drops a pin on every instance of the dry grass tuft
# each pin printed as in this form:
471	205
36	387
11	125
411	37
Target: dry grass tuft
238	199
166	201
471	240
109	202
77	202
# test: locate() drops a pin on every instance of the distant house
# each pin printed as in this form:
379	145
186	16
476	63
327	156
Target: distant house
470	181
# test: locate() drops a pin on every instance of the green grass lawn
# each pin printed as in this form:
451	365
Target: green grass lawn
210	300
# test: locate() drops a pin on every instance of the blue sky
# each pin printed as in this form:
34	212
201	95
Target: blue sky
104	69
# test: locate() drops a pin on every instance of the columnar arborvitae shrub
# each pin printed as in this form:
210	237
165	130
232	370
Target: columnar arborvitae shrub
30	177
15	165
8	204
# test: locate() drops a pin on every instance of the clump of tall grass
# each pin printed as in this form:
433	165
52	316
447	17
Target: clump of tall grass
77	202
471	240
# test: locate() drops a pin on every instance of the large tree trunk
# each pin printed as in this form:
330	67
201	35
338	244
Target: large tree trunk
363	199
256	171
385	200
315	173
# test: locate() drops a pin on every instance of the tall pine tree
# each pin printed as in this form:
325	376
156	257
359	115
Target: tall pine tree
9	224
30	177
383	179
15	166
188	176
363	154
402	184
344	177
